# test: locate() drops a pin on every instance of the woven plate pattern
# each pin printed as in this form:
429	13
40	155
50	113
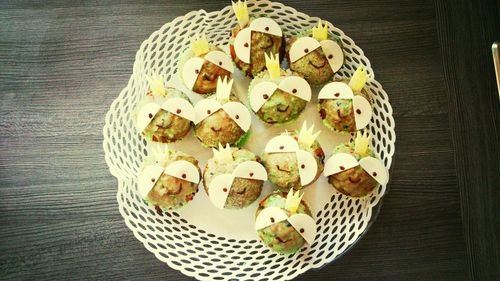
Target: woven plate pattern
183	245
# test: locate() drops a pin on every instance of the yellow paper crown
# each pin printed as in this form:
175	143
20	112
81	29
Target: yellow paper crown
359	79
161	154
199	45
273	65
361	143
241	12
293	200
320	32
156	85
224	154
224	86
306	135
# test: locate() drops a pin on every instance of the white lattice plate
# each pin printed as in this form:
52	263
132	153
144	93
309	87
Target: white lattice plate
213	244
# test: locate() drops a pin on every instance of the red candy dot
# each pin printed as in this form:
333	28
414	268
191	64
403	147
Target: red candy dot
237	116
306	50
301	230
196	71
150	115
303	166
183	176
336	94
224	189
266	29
272	220
208	111
220	63
282	147
294	91
342	168
153	180
245	45
330	56
358	111
178	111
374	174
265	96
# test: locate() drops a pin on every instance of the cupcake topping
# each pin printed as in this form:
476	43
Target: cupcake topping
286	144
359	79
220	59
220	186
273	65
224	155
241	12
199	45
190	71
243	39
305	45
177	106
307	136
236	110
293	200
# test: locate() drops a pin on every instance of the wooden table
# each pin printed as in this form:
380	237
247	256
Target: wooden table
62	64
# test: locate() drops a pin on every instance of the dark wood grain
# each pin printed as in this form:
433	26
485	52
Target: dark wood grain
62	64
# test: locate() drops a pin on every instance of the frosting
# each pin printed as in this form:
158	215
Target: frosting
183	170
250	170
191	70
243	40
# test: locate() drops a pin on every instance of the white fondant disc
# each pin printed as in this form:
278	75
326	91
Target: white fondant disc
362	111
281	143
239	113
250	170
333	53
191	70
183	170
261	93
297	86
303	46
147	179
146	115
242	44
179	107
269	216
205	108
305	226
307	167
336	90
339	162
218	189
266	25
375	168
220	59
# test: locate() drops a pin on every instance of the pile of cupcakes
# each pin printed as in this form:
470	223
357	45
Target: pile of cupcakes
233	178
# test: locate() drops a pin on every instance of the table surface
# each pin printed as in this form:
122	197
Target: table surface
63	62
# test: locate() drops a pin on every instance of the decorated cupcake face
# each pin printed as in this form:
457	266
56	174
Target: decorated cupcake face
278	99
162	116
200	73
253	39
284	228
355	172
223	186
316	57
220	120
169	187
287	165
345	107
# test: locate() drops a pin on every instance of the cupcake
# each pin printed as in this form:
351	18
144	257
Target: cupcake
284	222
316	54
278	96
252	38
202	64
168	179
293	160
354	170
345	106
165	114
222	118
233	178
